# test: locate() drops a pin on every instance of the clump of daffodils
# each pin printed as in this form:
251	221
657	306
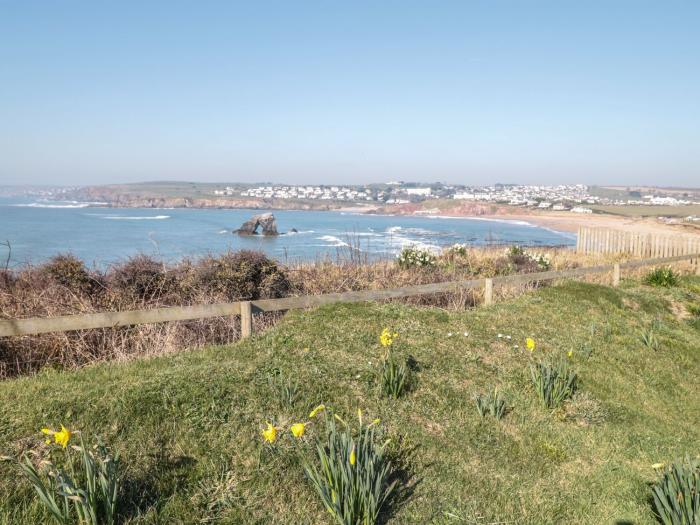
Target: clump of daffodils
270	433
395	375
350	470
542	260
457	249
79	485
414	257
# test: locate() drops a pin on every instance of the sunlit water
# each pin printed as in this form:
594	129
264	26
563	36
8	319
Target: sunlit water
37	230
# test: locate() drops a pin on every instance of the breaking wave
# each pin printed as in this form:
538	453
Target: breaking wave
136	218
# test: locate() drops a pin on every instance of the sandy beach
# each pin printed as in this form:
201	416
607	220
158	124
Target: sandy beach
570	222
555	220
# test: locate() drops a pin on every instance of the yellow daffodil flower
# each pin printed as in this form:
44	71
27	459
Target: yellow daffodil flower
387	338
353	456
270	433
60	437
374	422
657	466
316	410
297	429
570	354
530	343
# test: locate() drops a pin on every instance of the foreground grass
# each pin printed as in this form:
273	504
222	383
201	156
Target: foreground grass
188	426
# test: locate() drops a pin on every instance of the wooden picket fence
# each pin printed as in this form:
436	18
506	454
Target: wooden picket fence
246	309
605	240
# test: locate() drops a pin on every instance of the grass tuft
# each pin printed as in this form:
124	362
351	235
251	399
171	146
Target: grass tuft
665	277
395	377
677	494
492	404
554	382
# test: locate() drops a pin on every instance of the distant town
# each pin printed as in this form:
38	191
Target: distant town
561	197
667	204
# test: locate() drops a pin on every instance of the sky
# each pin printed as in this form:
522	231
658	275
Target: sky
469	92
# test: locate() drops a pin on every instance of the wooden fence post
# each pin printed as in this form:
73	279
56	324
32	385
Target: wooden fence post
246	319
488	291
616	275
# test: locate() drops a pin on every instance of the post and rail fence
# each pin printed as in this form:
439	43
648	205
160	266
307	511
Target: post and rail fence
605	240
246	309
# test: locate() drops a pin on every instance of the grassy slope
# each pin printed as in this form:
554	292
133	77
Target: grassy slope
188	425
649	211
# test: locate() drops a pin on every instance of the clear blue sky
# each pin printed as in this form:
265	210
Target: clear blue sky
470	92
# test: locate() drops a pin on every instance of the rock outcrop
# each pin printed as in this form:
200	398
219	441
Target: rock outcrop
266	221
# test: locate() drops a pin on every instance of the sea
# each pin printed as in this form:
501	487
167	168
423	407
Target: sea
34	230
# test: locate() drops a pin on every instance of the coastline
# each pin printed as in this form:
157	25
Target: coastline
564	222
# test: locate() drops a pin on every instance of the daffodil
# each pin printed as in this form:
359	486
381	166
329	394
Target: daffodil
270	433
297	429
657	466
374	422
530	343
570	354
353	456
387	337
316	410
60	437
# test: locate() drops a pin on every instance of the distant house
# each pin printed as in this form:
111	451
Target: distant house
464	196
581	209
419	191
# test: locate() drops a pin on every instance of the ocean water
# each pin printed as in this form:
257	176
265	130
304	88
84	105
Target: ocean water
38	230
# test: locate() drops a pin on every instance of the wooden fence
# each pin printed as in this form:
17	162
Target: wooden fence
246	309
604	240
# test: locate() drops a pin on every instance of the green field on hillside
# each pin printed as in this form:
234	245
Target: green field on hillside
188	426
649	211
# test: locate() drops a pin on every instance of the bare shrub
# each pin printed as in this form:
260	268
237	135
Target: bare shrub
141	277
244	275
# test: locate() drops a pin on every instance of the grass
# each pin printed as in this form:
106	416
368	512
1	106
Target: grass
649	211
188	425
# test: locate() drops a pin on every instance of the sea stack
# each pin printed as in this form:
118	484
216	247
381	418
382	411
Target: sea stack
266	221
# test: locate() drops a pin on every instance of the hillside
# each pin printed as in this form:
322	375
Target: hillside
188	426
190	195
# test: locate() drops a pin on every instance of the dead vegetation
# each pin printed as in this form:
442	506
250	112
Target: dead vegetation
65	286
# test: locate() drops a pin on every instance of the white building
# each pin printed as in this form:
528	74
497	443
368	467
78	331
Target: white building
464	196
419	191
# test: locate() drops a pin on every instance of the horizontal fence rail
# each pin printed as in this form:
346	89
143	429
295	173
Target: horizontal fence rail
66	323
605	240
246	309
